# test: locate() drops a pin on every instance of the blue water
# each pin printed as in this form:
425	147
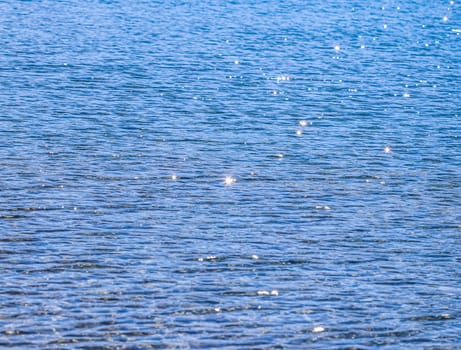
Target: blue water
234	174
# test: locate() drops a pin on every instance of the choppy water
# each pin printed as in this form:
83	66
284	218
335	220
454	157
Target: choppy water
336	123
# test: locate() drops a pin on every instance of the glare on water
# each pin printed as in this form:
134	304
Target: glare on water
234	174
229	180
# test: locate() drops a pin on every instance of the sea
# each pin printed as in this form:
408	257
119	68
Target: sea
234	174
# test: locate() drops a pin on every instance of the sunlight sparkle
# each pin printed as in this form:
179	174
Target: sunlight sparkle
229	180
318	329
303	123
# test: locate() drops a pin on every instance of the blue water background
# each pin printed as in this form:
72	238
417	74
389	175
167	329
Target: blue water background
336	123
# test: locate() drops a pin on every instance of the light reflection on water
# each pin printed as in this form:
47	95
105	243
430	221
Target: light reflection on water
240	175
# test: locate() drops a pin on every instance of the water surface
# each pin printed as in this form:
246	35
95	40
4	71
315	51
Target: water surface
336	124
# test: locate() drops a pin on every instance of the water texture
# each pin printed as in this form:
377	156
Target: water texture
230	174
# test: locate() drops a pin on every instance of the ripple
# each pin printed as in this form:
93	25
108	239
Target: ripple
229	175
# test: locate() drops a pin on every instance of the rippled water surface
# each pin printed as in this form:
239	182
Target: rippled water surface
230	174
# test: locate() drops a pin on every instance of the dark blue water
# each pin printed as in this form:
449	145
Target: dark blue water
234	174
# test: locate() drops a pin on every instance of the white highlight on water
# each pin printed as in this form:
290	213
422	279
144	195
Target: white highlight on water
324	207
209	258
274	292
229	180
387	149
303	123
283	78
318	329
